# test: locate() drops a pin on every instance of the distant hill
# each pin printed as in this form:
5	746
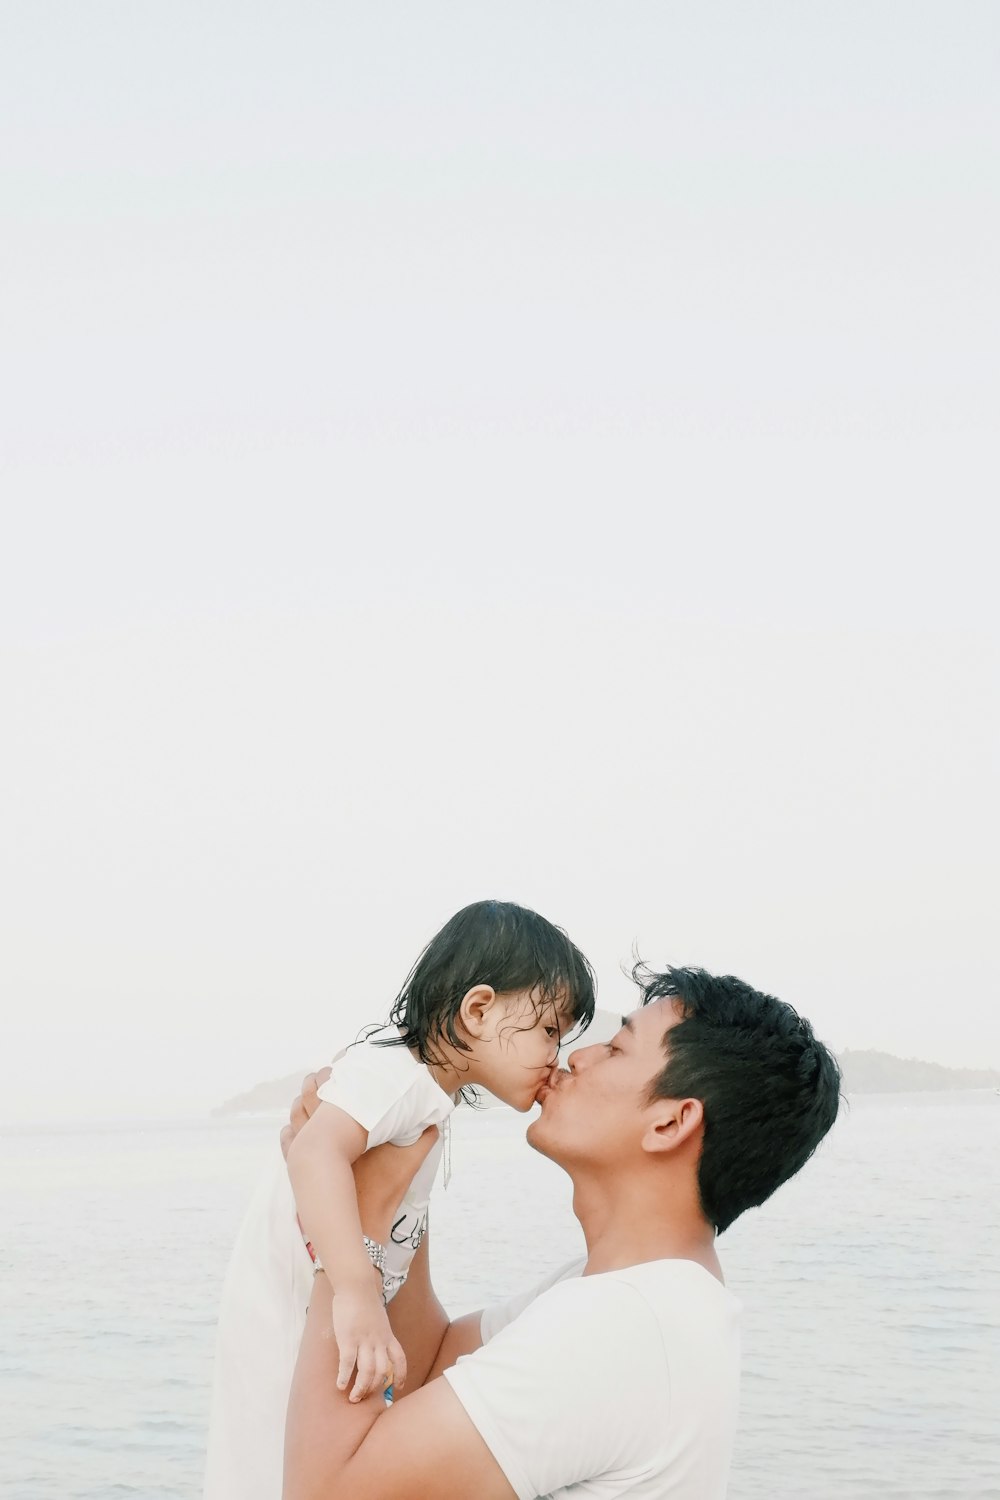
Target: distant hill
881	1073
865	1072
276	1093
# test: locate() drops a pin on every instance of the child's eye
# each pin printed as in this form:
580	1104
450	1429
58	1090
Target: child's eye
552	1031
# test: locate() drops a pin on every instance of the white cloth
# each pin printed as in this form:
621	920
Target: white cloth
269	1279
620	1384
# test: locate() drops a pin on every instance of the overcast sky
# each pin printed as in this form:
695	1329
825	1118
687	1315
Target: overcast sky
539	451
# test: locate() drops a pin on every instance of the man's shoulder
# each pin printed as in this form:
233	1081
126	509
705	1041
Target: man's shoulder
655	1278
651	1280
621	1376
678	1295
499	1314
605	1301
665	1304
662	1294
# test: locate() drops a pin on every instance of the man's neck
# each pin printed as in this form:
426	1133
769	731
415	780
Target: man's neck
639	1218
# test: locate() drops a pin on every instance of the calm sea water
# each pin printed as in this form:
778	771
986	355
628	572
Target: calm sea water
871	1288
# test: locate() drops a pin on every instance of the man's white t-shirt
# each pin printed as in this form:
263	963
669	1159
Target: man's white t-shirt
619	1384
268	1283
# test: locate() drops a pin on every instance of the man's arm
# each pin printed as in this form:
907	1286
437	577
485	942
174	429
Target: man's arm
425	1445
422	1326
463	1336
418	1320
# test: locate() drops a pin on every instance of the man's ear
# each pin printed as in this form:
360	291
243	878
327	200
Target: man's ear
474	1011
672	1122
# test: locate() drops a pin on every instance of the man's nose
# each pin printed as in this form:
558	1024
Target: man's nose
582	1057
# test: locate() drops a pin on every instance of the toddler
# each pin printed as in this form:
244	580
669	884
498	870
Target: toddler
487	1003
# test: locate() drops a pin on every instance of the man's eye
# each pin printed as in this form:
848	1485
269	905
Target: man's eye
611	1047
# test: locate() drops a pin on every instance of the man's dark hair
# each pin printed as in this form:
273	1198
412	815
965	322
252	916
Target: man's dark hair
770	1091
494	943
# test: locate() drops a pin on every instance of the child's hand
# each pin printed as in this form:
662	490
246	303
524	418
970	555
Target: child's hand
364	1337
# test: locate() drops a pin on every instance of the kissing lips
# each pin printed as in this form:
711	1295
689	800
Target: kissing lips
550	1083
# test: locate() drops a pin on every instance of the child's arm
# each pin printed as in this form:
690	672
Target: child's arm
320	1163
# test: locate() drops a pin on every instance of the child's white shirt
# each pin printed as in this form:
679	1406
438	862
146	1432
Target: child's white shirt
269	1279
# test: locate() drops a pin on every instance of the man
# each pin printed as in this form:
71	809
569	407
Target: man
619	1376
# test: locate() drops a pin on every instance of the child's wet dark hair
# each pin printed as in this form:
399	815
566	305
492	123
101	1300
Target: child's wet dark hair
497	943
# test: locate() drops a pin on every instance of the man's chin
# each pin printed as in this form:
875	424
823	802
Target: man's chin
535	1137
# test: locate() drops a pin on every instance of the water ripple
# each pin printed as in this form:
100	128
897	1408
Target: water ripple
870	1287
